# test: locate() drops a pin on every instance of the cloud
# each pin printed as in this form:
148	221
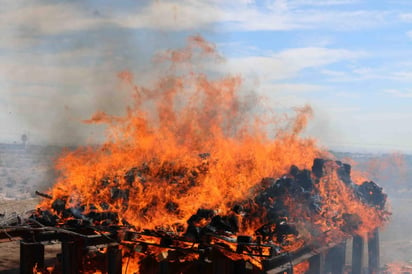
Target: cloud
402	75
406	17
325	2
172	15
294	88
286	96
25	24
288	63
363	73
399	93
409	34
279	15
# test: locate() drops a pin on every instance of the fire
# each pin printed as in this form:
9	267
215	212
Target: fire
162	150
301	268
194	142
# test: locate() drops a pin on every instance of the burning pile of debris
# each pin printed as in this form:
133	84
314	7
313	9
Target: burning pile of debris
151	191
279	210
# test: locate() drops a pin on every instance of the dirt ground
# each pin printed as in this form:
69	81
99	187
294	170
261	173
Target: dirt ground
9	251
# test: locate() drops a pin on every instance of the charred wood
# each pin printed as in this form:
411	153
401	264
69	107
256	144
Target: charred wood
44	195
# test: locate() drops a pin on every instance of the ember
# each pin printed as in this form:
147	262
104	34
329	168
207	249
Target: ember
201	180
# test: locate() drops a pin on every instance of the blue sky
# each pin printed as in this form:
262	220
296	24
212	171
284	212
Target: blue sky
351	60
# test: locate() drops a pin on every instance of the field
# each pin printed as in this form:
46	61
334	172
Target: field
25	170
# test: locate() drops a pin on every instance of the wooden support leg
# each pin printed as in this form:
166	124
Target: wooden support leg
222	264
316	264
373	252
71	257
357	254
335	259
114	260
240	267
164	267
31	254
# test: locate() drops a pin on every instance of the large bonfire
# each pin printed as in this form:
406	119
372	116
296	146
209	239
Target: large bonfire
192	148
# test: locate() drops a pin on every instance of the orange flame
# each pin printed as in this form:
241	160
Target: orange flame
301	268
191	142
163	132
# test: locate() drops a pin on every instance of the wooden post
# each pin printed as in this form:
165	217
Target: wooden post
71	257
335	259
316	264
373	252
357	254
221	264
114	260
240	267
31	254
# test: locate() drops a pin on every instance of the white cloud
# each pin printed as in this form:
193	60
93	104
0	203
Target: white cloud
406	17
294	88
172	15
277	15
363	73
285	96
325	2
399	93
29	21
402	75
288	63
409	34
334	74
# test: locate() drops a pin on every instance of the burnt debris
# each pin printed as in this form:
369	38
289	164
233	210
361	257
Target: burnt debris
371	194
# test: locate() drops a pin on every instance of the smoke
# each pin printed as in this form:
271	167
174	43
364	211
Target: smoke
69	70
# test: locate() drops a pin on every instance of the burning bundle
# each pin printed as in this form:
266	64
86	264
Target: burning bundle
152	179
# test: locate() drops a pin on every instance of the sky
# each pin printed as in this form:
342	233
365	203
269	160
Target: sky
351	60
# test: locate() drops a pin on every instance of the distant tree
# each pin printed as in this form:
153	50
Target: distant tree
24	139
